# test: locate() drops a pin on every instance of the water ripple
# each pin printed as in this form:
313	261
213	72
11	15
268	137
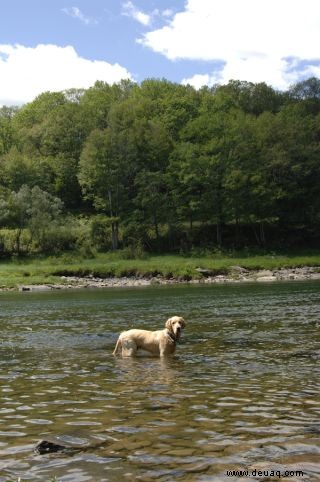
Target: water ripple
243	388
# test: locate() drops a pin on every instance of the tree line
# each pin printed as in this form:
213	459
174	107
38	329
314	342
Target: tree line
162	167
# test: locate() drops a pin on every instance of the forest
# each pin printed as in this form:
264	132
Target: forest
161	167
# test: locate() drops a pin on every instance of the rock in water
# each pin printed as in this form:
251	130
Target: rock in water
46	447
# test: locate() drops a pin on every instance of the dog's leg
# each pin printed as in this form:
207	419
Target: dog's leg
162	349
129	347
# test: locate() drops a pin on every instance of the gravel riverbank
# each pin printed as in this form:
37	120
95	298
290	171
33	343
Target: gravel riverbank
237	274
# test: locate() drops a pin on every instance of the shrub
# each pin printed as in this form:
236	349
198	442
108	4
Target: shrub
100	232
14	242
133	252
56	239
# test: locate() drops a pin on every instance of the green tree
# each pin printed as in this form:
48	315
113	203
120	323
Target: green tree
101	176
29	208
98	100
212	147
290	154
16	170
6	128
172	104
306	95
250	97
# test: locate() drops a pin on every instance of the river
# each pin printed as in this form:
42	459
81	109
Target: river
242	392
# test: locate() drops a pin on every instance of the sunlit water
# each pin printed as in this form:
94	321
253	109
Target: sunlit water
242	392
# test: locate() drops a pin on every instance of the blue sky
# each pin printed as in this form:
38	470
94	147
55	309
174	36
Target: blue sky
58	44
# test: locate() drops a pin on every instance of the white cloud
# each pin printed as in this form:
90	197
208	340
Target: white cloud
146	19
25	72
129	10
75	12
255	40
167	12
199	80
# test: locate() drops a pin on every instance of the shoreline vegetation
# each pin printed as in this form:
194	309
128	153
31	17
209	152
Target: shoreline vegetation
109	270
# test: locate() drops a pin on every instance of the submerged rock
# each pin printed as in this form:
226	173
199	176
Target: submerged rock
35	288
46	447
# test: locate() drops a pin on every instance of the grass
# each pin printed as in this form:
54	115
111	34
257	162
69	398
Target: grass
50	269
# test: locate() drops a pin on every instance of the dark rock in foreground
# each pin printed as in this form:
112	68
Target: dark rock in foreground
46	447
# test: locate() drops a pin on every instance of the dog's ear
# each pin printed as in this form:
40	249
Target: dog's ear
183	322
168	324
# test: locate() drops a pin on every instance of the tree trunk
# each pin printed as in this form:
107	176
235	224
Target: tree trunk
219	233
262	235
115	235
156	226
114	225
18	243
191	223
237	236
256	234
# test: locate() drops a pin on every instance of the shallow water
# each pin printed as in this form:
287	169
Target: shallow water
242	393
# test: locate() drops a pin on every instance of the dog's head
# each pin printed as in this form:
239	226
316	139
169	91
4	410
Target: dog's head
175	325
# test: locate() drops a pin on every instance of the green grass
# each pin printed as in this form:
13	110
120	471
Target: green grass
49	270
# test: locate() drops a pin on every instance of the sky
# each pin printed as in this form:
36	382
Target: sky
53	45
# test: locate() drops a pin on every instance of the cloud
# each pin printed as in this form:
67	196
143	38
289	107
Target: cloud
75	12
146	19
199	80
251	40
167	12
129	10
25	72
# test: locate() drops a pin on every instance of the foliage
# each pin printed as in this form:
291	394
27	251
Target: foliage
34	210
161	167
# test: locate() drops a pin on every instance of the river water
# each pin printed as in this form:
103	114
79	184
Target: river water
242	392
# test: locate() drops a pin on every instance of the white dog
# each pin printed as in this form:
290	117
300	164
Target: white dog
160	342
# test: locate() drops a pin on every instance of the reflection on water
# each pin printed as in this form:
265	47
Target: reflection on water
241	394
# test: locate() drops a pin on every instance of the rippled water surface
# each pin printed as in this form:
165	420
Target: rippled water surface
242	392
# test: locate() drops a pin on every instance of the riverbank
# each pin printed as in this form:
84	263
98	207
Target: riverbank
108	270
238	275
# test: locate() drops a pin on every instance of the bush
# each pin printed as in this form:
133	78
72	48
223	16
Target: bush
133	252
84	243
56	239
134	233
14	242
100	232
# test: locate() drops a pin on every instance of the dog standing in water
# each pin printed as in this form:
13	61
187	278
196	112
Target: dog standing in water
158	343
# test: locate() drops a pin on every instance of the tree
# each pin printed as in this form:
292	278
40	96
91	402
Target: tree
249	97
212	146
307	94
98	100
290	156
29	208
16	170
114	159
64	131
150	182
172	104
43	209
101	176
6	128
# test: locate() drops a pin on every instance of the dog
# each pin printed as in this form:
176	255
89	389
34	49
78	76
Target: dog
159	343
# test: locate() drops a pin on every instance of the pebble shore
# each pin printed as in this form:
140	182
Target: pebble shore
237	274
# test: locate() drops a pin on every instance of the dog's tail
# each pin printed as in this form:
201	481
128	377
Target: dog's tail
117	347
